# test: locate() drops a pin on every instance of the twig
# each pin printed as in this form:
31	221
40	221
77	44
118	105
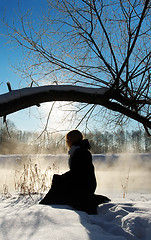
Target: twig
9	86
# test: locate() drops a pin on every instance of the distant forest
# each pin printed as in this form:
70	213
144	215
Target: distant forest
14	141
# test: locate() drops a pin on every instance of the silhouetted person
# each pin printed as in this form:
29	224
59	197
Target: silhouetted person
77	186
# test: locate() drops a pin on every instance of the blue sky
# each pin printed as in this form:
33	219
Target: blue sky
8	54
28	119
25	119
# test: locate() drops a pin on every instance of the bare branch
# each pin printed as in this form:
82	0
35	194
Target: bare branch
20	99
91	43
135	39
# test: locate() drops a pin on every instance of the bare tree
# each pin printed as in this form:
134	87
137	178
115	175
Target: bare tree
103	46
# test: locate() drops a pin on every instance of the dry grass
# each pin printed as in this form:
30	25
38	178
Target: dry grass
5	193
125	185
32	180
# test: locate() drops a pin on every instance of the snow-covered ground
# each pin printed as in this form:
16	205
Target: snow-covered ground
128	218
23	218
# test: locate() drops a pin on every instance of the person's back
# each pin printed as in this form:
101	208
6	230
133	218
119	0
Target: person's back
81	167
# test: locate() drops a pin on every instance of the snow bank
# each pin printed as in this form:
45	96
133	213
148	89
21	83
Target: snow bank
122	219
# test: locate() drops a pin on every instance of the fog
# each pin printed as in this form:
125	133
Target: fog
124	173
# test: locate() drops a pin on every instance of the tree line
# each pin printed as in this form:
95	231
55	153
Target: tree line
14	141
120	141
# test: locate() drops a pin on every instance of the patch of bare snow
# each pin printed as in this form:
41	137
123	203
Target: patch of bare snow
121	219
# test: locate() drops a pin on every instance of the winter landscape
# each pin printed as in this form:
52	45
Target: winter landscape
125	178
91	59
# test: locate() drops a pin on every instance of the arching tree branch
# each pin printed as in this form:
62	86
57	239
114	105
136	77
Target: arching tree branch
27	97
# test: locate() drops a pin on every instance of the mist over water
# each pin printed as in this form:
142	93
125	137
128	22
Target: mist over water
126	172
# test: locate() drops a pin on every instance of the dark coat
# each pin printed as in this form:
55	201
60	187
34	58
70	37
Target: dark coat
81	177
77	186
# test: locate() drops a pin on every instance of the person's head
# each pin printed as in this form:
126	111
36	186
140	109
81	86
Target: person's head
73	137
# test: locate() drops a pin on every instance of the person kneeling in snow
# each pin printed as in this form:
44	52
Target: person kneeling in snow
77	186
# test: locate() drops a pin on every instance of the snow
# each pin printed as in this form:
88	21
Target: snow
16	94
126	218
23	218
